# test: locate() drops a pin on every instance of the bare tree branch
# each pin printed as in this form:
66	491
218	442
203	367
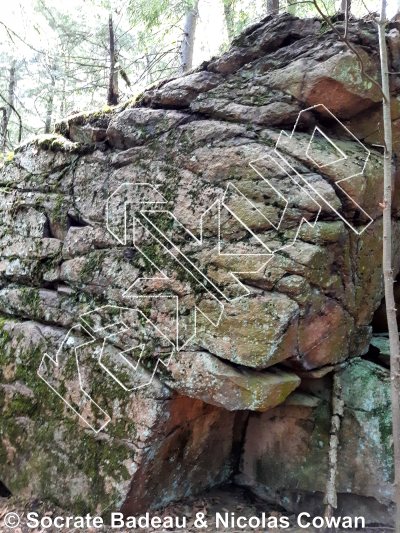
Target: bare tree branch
387	257
18	115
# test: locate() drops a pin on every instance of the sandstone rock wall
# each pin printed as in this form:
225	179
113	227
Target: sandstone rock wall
246	264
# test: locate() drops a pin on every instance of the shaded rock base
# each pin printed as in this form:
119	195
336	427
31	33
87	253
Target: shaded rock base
285	456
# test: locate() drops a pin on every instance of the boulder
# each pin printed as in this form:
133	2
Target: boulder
201	375
172	265
44	450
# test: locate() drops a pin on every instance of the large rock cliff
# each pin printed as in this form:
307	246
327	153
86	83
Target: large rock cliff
172	269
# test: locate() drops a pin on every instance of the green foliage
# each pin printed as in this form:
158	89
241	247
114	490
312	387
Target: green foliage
149	12
153	13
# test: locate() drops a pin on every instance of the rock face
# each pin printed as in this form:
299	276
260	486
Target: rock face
173	264
293	470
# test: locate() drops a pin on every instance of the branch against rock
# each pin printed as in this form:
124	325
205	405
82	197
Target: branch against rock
330	499
387	259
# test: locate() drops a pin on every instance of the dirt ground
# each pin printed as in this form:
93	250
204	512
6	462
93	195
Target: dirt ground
227	499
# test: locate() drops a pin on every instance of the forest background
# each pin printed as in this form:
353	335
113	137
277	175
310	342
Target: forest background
60	58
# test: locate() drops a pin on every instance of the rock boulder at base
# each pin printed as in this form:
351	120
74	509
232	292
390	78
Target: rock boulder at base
285	457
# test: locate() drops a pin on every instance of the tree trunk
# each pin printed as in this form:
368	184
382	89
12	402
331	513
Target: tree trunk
63	102
330	499
112	97
49	111
3	128
50	101
388	259
345	8
272	7
189	31
4	122
229	13
10	105
63	99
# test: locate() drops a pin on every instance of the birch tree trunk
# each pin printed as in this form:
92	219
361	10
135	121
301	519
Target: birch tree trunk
112	97
189	31
10	105
330	499
388	259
